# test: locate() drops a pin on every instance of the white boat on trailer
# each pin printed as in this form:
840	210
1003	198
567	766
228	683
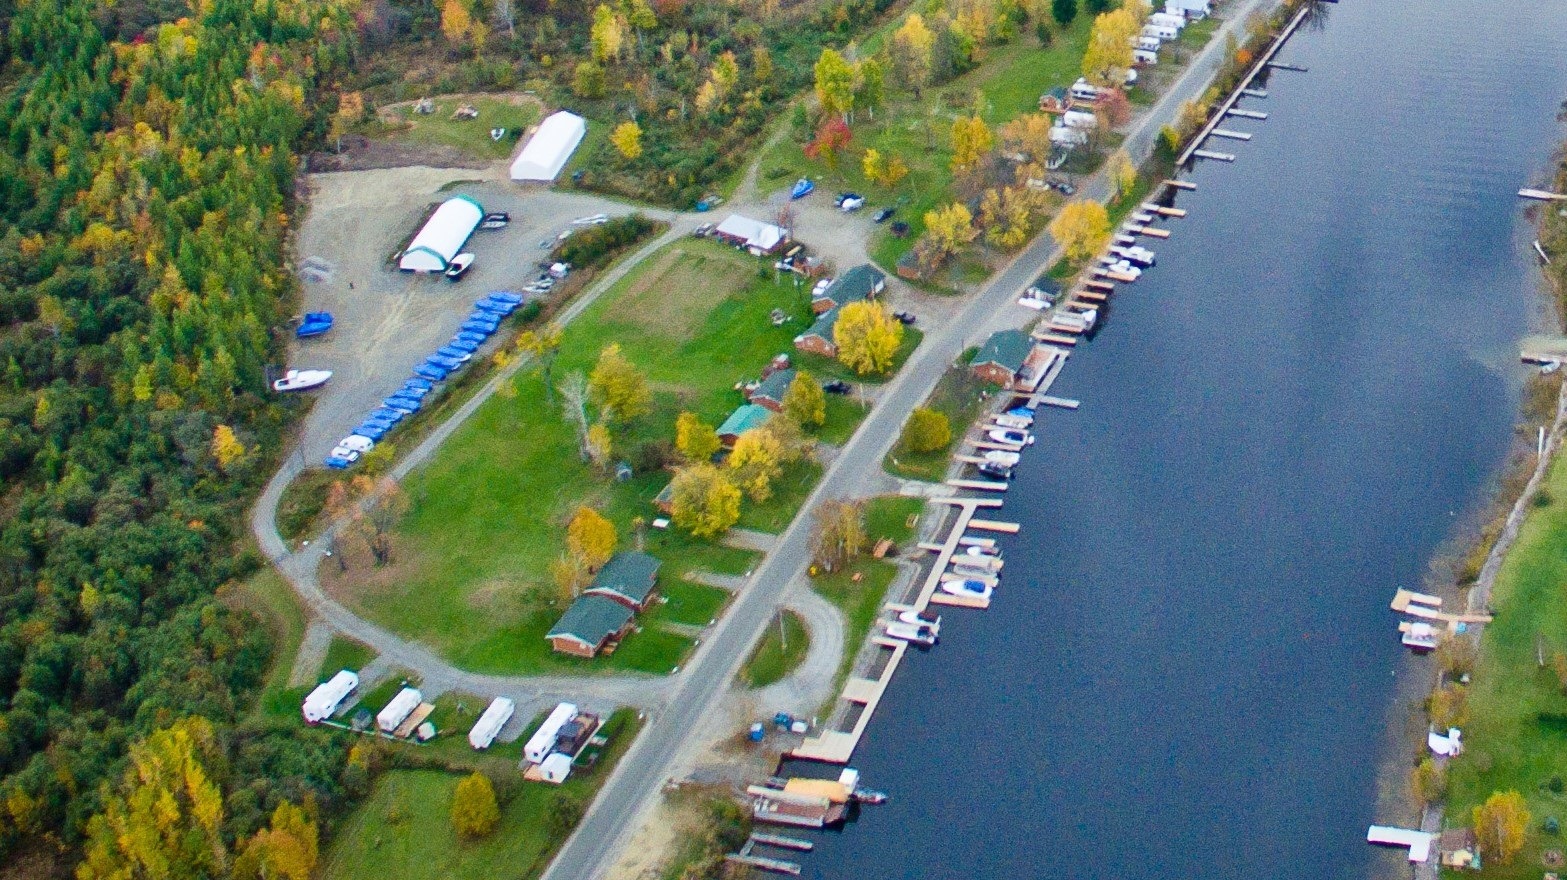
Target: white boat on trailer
302	380
923	635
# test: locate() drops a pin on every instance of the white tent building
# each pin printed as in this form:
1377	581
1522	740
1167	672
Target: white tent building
442	236
324	700
490	723
549	148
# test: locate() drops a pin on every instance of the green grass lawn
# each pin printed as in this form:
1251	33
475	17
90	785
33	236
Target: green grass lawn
1509	741
403	829
958	396
844	414
859	600
690	603
345	653
790	490
779	653
893	517
472	136
487	513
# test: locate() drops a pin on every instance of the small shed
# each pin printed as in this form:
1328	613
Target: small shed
629	577
1458	848
591	624
490	723
772	390
547	152
909	267
1002	356
442	237
744	418
665	499
754	235
575	734
862	282
555	768
1055	101
819	339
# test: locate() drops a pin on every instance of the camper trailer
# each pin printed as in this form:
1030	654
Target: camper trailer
1082	91
328	695
1165	19
1145	57
1159	31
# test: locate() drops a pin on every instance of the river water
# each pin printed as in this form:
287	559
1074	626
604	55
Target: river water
1189	663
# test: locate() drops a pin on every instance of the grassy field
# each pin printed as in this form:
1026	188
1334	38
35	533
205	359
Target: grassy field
345	653
780	651
403	829
958	396
892	516
858	592
470	576
472	136
690	604
1516	736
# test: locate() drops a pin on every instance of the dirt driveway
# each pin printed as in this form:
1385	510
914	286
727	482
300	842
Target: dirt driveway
388	321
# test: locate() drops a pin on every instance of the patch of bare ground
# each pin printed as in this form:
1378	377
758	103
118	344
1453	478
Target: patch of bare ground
363	154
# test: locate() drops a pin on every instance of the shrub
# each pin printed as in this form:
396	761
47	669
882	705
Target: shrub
927	430
475	812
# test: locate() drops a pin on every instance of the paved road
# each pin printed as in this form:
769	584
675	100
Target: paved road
637	781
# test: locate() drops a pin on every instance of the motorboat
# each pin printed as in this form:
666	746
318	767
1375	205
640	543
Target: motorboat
337	462
450	364
471	336
968	588
402	404
386	415
917	634
301	380
921	617
356	443
348	455
999	471
1002	457
421	384
428	372
1007	420
455	354
372	430
313	324
506	296
411	390
1420	637
481	325
1126	268
493	307
1012	436
459	267
1139	256
802	188
495	220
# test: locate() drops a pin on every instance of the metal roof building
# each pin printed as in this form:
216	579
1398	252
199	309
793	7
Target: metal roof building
442	236
547	151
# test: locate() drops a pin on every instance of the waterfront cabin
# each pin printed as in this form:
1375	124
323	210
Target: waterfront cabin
592	624
862	282
819	338
1001	357
772	390
1055	101
629	577
744	418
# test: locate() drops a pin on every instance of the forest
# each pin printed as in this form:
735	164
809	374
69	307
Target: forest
147	188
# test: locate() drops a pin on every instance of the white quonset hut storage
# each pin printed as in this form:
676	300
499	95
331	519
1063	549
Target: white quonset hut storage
549	148
542	742
397	711
490	723
442	236
324	700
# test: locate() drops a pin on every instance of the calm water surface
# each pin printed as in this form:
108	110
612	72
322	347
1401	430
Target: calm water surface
1190	659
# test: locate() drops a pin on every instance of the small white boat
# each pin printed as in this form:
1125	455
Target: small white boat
1125	267
972	589
921	617
458	266
1012	436
964	565
979	553
1008	420
1419	637
1003	458
301	380
1140	256
914	633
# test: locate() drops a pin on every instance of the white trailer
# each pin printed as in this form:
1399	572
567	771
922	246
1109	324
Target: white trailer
1165	19
1160	31
1079	118
490	723
555	768
328	695
542	742
1083	91
1067	136
1150	43
1191	9
1145	57
397	711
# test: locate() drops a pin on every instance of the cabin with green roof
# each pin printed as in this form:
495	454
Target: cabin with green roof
1002	356
592	624
630	578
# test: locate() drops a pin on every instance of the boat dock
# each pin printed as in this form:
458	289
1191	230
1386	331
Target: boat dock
1255	93
1244	114
990	525
1542	195
1181	184
1232	135
1105	286
1152	232
1242	89
1209	154
1163	211
1062	402
782	842
1279	65
1428	607
978	485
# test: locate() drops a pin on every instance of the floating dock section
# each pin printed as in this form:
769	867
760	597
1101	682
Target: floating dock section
1418	842
1243	88
1209	154
1542	195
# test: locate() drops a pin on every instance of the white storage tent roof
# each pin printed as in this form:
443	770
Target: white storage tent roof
549	148
442	236
397	711
751	233
323	701
543	740
490	723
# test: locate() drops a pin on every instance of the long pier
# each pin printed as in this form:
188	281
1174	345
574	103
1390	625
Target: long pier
1242	88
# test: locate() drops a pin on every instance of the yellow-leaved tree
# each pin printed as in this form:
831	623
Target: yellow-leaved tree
971	140
805	401
165	818
1082	228
627	138
695	439
755	463
226	447
455	20
591	537
911	48
1121	173
618	387
1109	53
867	336
705	501
475	812
1500	825
287	850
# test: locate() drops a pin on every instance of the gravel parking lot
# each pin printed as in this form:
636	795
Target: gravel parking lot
388	321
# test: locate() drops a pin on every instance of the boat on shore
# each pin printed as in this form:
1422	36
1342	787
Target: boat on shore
302	380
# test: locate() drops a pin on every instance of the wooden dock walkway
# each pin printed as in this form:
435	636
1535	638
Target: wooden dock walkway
1093	284
1163	211
979	485
782	842
1061	402
1280	65
1209	154
1195	145
1542	195
1154	232
991	525
1232	135
1244	114
1181	184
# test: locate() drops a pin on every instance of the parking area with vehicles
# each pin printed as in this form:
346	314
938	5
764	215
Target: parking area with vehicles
386	322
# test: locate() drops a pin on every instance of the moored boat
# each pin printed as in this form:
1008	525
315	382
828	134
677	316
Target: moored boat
301	380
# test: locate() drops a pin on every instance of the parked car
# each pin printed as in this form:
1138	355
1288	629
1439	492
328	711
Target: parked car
495	220
904	317
1061	185
836	386
849	202
459	267
883	215
591	220
702	231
